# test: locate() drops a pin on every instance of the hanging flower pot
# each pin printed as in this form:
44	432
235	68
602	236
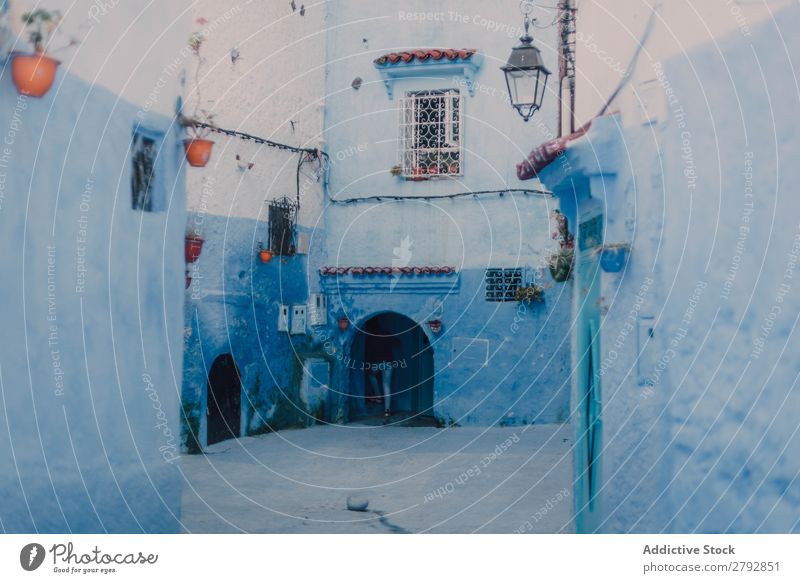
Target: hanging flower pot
561	264
614	256
435	326
344	323
193	246
265	255
33	73
198	151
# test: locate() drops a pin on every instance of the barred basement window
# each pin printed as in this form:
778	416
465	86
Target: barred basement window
430	133
144	179
281	226
502	284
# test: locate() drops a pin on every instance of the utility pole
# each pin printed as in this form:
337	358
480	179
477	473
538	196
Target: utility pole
566	63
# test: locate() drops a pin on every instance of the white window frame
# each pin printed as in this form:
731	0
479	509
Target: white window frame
442	159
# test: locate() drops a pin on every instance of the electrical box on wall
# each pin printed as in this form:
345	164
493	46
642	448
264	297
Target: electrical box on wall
318	309
299	319
283	318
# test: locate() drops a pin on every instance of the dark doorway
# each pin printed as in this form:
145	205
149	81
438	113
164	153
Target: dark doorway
394	343
224	400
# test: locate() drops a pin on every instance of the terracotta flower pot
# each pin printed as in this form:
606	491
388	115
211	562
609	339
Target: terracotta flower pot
198	151
435	326
33	73
418	173
192	248
265	255
344	324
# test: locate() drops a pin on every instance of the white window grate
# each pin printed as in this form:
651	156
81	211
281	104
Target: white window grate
431	134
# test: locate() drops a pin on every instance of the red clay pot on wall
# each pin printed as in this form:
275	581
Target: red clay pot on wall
198	151
435	326
33	73
265	255
192	248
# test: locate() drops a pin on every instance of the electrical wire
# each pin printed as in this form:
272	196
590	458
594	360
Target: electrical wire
475	194
272	144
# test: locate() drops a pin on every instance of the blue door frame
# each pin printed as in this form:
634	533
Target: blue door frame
587	402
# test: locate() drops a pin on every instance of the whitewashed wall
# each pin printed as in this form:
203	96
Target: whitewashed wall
274	90
91	341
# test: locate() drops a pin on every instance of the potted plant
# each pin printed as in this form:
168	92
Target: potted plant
344	323
33	73
561	261
613	256
396	170
193	245
197	146
435	326
560	264
265	255
418	173
529	293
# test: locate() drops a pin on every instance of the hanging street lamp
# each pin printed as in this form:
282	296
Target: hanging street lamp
526	75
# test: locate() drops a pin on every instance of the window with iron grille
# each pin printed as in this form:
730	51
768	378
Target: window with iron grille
430	133
281	226
144	155
502	283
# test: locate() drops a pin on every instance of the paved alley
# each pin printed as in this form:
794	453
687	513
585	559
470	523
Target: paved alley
416	479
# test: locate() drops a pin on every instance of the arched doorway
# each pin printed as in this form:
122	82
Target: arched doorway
392	341
224	400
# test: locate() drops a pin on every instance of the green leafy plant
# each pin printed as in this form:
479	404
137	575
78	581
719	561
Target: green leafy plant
41	24
529	293
561	263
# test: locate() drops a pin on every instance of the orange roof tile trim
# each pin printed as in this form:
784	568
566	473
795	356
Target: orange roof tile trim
423	55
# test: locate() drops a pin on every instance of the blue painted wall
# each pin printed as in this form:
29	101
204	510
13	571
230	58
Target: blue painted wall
699	430
232	307
516	372
90	357
522	374
731	378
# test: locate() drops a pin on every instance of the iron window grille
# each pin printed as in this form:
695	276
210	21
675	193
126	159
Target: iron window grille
282	215
430	133
144	155
502	284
